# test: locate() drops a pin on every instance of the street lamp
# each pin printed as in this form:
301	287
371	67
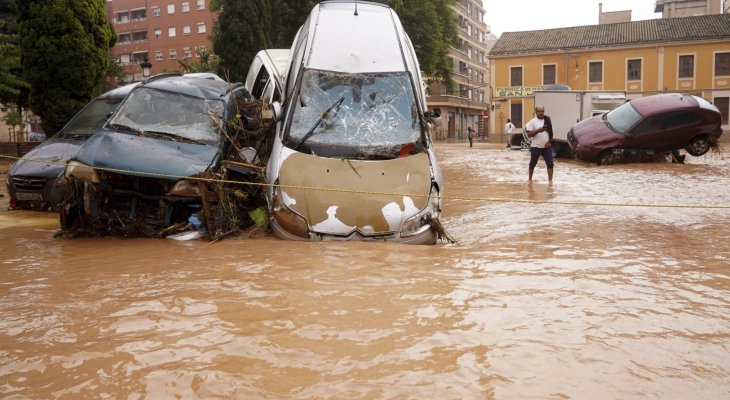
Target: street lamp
146	66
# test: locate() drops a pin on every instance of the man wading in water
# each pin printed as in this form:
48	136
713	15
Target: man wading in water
540	129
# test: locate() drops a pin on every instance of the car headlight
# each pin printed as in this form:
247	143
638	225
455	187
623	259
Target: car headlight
81	171
421	221
289	220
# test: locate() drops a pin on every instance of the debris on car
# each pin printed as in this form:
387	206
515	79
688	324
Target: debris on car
182	158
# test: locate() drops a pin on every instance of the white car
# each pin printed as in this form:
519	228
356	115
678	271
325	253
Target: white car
353	158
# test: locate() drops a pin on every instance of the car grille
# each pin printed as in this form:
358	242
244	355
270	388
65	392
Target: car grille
29	182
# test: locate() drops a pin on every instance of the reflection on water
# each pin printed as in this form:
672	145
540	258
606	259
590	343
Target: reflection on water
536	301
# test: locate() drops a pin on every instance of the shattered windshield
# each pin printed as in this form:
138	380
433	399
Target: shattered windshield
623	117
188	117
89	120
362	115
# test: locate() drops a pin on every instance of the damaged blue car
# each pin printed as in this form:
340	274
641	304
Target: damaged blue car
34	181
142	169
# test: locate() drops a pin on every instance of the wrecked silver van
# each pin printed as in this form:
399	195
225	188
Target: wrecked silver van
353	157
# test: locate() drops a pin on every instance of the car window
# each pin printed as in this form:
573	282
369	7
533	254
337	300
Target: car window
260	83
91	118
651	125
706	104
270	94
623	117
666	122
374	113
682	118
189	117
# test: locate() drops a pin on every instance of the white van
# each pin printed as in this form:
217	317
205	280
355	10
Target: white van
353	157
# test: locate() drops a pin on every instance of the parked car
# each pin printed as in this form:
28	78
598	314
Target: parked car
646	125
265	78
33	181
353	157
169	127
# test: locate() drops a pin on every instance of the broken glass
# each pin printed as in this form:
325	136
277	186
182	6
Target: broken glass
376	115
187	117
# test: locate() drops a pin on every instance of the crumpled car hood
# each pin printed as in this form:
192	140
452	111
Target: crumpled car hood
355	199
55	151
143	156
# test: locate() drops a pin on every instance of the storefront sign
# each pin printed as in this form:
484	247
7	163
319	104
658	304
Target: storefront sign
517	91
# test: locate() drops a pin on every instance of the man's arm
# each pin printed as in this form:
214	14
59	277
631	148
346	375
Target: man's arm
536	131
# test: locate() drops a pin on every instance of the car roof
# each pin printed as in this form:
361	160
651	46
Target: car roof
280	60
664	102
205	75
372	37
209	89
119	92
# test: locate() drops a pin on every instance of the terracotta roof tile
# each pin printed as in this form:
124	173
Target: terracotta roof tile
664	30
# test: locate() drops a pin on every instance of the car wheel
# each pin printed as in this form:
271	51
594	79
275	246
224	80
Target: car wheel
69	214
71	208
698	146
606	157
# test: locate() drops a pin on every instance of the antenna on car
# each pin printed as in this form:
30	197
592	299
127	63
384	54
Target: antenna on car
356	8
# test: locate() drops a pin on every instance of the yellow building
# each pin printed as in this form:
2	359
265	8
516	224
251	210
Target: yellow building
689	55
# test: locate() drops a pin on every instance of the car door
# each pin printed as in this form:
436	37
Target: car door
660	132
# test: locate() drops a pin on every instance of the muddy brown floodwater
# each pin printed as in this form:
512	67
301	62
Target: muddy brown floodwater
549	300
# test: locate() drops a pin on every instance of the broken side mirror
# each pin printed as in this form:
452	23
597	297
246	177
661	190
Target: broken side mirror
434	116
278	111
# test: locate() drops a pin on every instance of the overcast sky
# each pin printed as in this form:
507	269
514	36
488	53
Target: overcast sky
529	15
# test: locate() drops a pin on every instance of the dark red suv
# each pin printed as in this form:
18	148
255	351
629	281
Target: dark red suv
648	125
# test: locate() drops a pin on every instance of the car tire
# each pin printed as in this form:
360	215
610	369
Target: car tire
71	209
698	146
69	214
606	157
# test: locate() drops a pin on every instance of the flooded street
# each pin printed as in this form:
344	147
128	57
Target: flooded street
587	288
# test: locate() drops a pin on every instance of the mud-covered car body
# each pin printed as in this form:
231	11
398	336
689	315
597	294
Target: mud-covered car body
34	180
169	128
353	156
657	123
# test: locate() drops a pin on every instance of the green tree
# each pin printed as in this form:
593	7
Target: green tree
432	27
10	83
12	87
115	75
241	31
14	120
64	55
207	63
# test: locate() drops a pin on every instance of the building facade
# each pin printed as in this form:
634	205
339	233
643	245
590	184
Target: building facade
687	8
465	106
160	31
640	58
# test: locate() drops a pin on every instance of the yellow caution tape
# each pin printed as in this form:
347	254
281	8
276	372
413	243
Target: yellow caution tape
464	198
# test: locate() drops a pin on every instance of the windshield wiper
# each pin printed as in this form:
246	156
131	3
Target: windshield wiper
123	128
335	107
170	136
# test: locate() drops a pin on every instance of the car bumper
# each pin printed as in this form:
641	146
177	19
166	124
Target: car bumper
33	192
427	237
